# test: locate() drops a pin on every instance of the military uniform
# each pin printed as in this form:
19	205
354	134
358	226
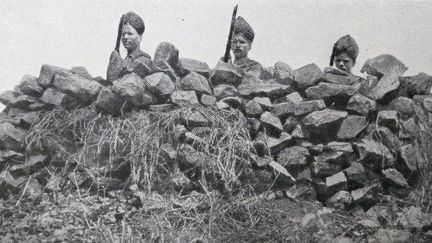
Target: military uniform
138	61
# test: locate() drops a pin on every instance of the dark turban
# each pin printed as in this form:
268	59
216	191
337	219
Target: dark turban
242	27
346	44
135	21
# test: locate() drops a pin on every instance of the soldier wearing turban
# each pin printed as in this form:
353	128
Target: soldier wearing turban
243	37
345	52
130	31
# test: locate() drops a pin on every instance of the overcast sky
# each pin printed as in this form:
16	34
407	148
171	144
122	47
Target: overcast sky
83	33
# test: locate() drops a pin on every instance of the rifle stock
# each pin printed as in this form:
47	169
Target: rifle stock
228	45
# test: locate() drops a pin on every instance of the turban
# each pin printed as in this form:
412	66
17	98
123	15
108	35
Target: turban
134	20
346	44
242	27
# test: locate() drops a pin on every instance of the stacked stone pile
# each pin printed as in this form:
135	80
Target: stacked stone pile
344	139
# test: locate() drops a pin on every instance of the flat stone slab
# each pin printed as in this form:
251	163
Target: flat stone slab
307	76
326	90
351	127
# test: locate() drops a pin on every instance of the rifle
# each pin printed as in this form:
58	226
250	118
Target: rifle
117	46
228	45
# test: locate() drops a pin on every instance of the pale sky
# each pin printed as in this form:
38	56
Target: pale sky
83	32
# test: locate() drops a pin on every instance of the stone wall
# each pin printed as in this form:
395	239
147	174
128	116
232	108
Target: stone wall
323	134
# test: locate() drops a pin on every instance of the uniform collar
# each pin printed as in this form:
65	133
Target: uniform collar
135	54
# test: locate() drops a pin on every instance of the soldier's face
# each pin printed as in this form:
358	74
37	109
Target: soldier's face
240	46
344	62
130	38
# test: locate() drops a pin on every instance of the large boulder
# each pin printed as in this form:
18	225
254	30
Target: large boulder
159	84
29	85
404	106
362	105
188	65
194	81
388	69
226	73
306	107
11	137
8	96
271	122
184	98
252	86
389	119
253	109
166	56
356	175
131	88
284	109
108	101
388	138
307	76
283	73
322	125
351	127
47	73
374	155
394	178
293	157
75	85
82	71
57	98
225	90
326	90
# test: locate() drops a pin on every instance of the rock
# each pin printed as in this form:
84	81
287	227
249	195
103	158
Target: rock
341	79
271	121
14	112
188	65
192	119
184	98
131	88
366	196
222	105
108	101
340	200
410	160
380	214
362	105
293	157
388	118
302	191
234	102
356	175
9	184
57	98
8	96
299	132
226	73
29	85
251	86
332	157
225	90
11	137
208	100
290	124
395	178
32	165
322	169
283	110
341	239
326	90
196	82
80	88
306	107
253	108
389	139
373	154
404	106
409	128
339	146
47	73
427	104
23	102
159	84
27	119
336	182
166	56
390	236
264	102
388	69
322	124
307	76
283	73
351	127
81	71
294	97
278	144
414	219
